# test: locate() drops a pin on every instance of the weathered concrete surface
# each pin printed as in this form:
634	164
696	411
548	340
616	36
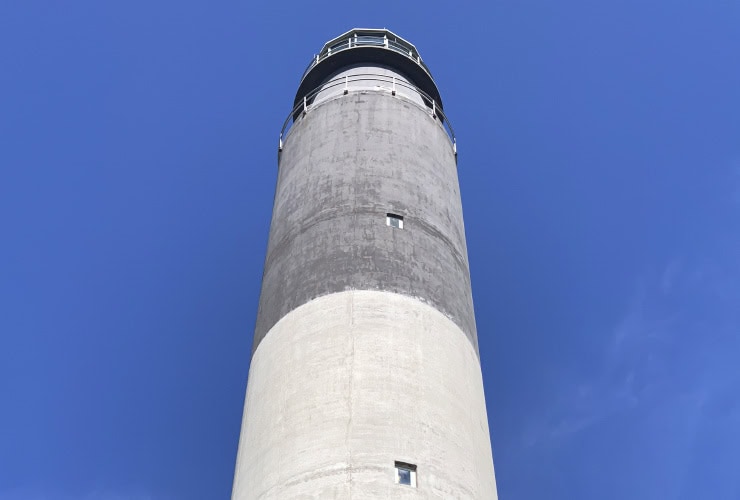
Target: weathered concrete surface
348	383
344	165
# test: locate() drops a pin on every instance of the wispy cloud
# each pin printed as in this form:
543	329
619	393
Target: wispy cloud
631	371
44	493
653	356
670	275
735	181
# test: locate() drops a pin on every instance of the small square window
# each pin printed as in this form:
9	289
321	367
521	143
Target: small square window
406	474
394	220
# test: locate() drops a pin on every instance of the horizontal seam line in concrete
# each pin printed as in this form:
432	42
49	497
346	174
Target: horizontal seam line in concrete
355	290
329	214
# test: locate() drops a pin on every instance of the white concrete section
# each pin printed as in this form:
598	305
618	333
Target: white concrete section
347	384
369	77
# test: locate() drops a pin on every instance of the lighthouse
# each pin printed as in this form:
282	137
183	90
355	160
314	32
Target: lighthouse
365	378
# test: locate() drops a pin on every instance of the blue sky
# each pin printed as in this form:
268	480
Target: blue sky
600	173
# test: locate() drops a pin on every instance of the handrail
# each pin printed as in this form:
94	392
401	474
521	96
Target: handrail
309	101
367	38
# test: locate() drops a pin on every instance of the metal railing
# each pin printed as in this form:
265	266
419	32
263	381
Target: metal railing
393	85
353	39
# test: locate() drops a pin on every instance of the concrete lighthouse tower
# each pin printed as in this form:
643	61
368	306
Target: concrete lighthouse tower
365	378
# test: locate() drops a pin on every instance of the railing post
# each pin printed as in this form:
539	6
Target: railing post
385	41
454	146
305	105
393	89
434	109
280	144
346	84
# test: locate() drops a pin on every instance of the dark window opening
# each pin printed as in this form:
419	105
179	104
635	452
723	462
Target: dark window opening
406	474
394	220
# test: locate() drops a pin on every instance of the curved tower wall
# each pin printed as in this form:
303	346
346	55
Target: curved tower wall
368	77
365	349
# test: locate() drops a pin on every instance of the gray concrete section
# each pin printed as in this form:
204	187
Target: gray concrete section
344	165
